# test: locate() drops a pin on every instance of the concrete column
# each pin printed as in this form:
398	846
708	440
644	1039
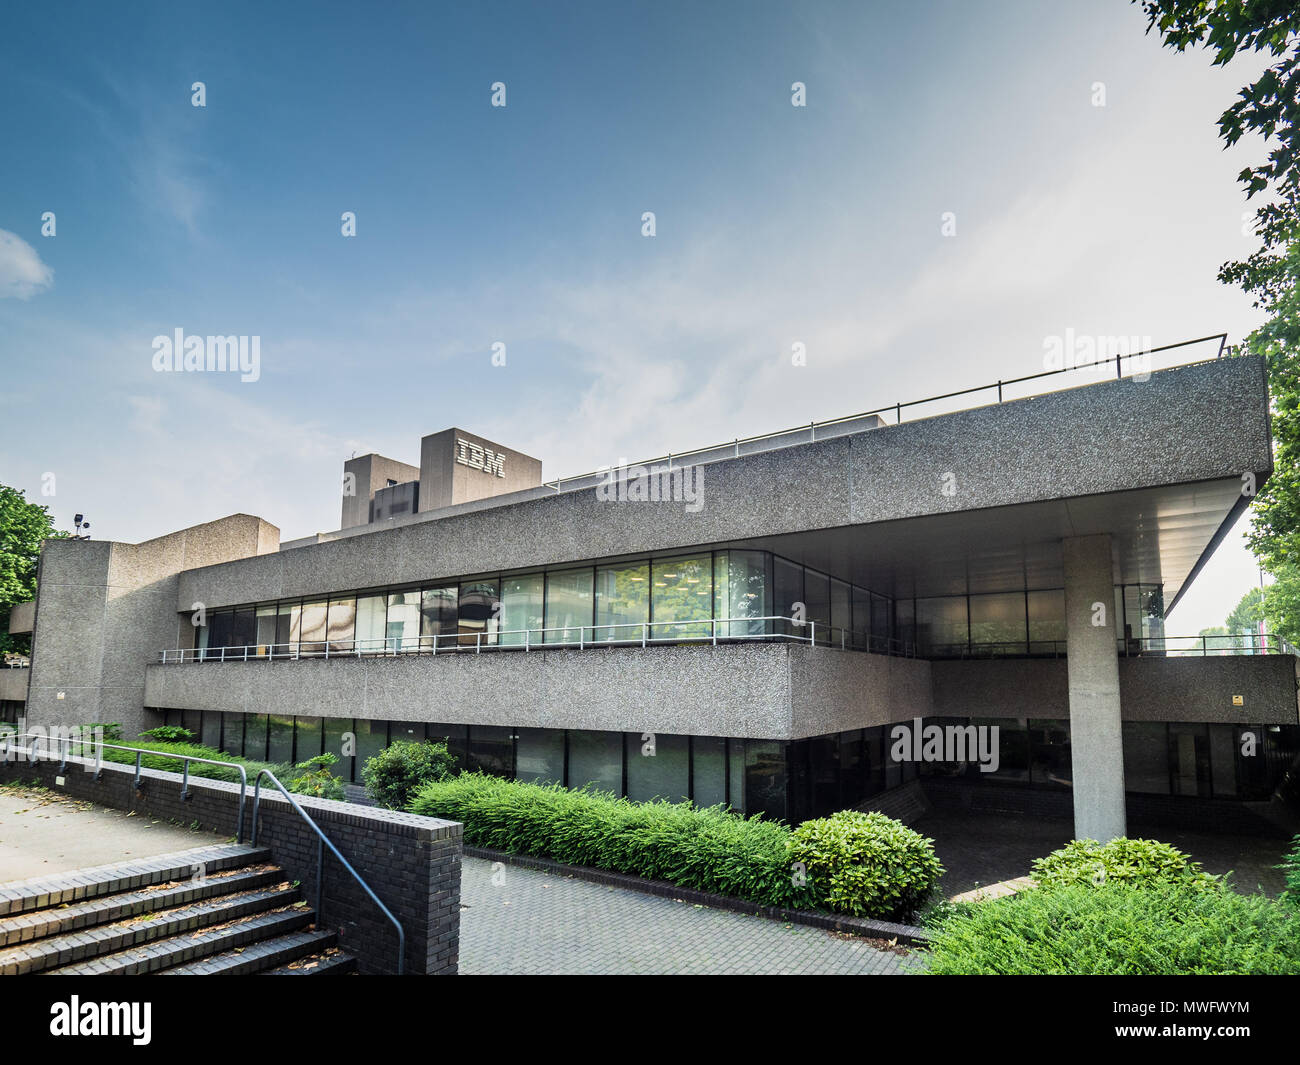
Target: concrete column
1096	740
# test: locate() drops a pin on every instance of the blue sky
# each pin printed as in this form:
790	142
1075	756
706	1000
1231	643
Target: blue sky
522	225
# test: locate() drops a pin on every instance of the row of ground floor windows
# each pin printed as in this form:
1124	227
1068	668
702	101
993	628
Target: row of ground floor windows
793	780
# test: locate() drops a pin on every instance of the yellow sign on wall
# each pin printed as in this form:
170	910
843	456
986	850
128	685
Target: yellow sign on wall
1238	700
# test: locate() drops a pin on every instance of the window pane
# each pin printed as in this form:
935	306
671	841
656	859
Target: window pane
243	631
456	737
998	622
596	758
372	737
709	768
736	773
1047	621
861	617
1050	746
568	605
765	778
941	625
1146	757
210	730
342	624
521	608
1013	745
787	582
313	627
372	611
232	734
437	621
265	629
288	628
335	727
882	629
665	774
741	591
478	622
622	599
492	749
1223	760
402	624
255	737
681	592
308	741
817	597
281	736
540	754
841	614
1189	757
411	731
219	627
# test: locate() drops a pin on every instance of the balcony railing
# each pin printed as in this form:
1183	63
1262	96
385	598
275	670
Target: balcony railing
554	638
1145	647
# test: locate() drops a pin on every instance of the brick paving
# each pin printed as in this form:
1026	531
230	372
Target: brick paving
542	923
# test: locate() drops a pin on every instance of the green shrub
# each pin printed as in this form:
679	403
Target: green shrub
866	864
172	733
1291	867
394	773
316	779
112	731
197	769
1125	861
1155	928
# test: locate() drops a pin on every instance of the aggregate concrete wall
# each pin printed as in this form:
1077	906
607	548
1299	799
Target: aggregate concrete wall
412	863
1188	424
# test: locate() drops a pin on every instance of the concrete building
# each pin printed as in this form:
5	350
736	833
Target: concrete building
746	624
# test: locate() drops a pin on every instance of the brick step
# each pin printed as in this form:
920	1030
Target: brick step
154	957
41	924
126	936
272	956
45	892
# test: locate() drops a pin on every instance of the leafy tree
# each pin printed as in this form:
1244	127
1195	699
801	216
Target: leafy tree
23	526
1247	614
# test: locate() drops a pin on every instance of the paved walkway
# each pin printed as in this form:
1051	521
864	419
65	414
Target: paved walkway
44	832
531	922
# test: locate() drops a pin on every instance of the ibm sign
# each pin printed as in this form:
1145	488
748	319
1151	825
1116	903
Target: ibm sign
480	458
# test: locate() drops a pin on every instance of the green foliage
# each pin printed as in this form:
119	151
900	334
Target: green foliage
1125	861
1158	928
1291	867
23	526
173	733
392	775
111	730
706	849
316	779
197	769
866	864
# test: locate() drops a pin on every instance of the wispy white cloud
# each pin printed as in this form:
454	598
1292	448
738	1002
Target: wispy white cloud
22	274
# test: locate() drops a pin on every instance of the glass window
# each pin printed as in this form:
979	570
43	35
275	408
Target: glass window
596	758
372	611
941	625
288	628
1223	760
824	774
740	590
1050	749
681	594
853	770
280	748
861	618
658	771
335	730
243	629
372	737
437	608
568	605
255	737
765	775
265	629
210	730
540	755
232	734
492	749
402	624
219	627
787	590
341	629
308	739
1189	758
817	596
736	773
456	737
1047	621
622	600
708	769
905	623
313	627
841	614
997	623
1013	747
1146	757
410	731
478	619
521	608
882	628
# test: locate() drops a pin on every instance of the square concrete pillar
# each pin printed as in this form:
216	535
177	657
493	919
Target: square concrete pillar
1096	737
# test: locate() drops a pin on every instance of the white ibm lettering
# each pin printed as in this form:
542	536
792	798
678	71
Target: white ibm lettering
480	458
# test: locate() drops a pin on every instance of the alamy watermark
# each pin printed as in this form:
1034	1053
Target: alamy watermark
179	353
653	484
946	743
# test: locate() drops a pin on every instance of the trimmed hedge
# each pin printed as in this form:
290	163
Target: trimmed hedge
1126	861
1157	928
392	775
283	772
707	849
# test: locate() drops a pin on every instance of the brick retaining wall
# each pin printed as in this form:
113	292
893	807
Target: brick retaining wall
411	862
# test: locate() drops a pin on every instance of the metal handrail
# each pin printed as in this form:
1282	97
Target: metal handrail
642	634
1135	647
897	408
320	860
65	746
